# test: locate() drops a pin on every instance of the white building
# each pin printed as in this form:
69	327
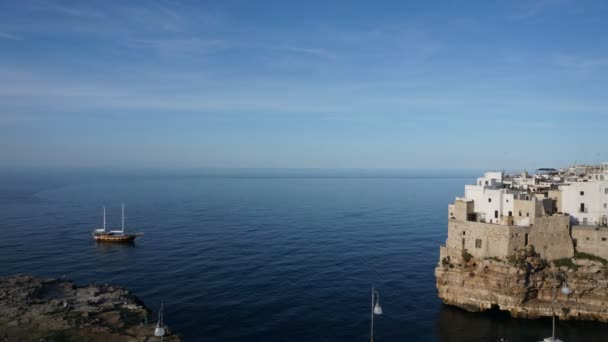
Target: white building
522	181
586	200
519	200
491	200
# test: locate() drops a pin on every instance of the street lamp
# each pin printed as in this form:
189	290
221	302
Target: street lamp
565	290
376	310
160	328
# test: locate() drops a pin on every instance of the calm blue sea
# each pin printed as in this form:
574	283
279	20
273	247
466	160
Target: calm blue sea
254	255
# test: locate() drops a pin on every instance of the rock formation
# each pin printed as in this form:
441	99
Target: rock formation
33	309
525	284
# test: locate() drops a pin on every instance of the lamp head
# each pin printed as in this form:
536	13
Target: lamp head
378	309
159	331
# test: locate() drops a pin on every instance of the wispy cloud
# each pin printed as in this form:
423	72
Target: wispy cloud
174	92
536	8
403	42
79	12
5	35
172	17
171	93
583	64
70	10
316	52
178	46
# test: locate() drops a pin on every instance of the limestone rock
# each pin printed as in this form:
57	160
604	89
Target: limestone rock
524	286
33	309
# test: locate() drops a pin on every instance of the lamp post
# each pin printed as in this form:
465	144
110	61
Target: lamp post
565	290
159	331
376	310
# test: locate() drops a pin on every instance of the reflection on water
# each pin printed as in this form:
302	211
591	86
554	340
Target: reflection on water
457	325
117	248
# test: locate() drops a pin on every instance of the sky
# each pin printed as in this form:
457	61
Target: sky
303	84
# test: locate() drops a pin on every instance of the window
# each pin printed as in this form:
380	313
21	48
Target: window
606	191
520	213
582	193
526	239
495	213
489	200
605	205
528	214
464	233
478	243
510	213
486	182
582	209
603	239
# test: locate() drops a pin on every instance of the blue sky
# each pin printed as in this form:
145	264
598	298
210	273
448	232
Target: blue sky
309	84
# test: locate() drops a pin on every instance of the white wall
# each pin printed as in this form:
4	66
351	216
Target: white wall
507	204
490	179
595	199
498	176
487	200
488	196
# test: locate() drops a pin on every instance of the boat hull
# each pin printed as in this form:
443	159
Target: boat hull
114	238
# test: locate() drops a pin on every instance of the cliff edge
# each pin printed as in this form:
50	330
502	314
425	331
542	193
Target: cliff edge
33	309
524	285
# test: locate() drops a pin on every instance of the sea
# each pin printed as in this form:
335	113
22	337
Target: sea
260	255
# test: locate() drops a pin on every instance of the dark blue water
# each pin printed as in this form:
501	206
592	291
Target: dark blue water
260	256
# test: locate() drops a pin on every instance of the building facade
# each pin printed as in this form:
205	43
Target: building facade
586	201
556	211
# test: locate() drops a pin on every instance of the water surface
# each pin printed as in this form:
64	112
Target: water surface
246	256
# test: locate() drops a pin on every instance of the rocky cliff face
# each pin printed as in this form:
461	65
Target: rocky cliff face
33	309
524	285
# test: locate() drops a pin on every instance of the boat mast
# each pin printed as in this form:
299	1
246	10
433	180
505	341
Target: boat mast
123	218
104	218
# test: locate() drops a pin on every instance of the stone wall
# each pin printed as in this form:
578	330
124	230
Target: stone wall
529	209
592	240
550	236
517	238
556	195
481	239
460	210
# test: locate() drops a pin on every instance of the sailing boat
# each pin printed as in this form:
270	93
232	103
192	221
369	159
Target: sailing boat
103	235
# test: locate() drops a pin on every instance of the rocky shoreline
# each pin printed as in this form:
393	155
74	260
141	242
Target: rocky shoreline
524	285
38	309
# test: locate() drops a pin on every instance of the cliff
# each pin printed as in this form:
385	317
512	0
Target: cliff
524	285
33	309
